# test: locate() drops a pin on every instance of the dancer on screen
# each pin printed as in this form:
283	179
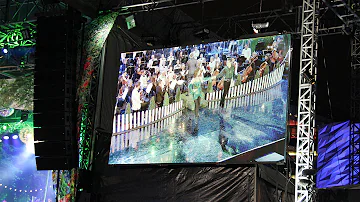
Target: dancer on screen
195	90
227	74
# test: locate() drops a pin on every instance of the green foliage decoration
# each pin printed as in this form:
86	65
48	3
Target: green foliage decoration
17	93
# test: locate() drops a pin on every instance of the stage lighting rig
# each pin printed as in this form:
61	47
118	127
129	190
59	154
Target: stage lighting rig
202	33
258	26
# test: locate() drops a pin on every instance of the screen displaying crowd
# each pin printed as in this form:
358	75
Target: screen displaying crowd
205	79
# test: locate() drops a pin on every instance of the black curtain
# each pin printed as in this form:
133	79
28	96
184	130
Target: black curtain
178	184
115	45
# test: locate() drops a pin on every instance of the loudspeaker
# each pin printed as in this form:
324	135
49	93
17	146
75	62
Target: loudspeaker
55	106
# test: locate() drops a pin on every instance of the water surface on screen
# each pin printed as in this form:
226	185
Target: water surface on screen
203	103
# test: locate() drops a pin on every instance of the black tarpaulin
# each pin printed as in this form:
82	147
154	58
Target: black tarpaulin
179	184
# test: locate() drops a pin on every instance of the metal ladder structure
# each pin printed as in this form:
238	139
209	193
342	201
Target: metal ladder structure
305	185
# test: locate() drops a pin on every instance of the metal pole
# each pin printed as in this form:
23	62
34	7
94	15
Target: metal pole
7	11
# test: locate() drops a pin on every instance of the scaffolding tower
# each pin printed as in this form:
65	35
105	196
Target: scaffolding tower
304	184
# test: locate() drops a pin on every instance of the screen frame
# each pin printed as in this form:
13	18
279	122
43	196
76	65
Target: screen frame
222	163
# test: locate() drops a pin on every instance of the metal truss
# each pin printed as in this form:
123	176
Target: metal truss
304	185
17	34
17	21
355	110
349	22
87	125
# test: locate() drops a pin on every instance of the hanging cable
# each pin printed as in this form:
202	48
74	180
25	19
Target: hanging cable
327	81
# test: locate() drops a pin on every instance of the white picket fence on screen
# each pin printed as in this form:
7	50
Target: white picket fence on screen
121	141
254	100
125	122
249	87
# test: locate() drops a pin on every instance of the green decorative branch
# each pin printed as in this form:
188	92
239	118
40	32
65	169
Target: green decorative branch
17	93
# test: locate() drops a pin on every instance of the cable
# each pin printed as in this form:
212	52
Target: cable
327	82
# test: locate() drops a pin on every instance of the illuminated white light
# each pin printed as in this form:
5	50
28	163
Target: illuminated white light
5	187
14	189
15	137
0	140
38	141
4	127
10	188
6	137
30	147
35	189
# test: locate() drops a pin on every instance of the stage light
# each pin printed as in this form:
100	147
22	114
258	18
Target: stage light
5	50
309	78
24	116
4	127
260	25
0	140
6	137
309	172
14	137
202	33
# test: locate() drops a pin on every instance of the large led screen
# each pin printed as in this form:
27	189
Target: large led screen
203	103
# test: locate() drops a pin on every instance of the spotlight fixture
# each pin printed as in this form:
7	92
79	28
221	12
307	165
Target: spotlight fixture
202	33
5	50
308	77
309	172
26	34
24	116
6	137
258	26
14	137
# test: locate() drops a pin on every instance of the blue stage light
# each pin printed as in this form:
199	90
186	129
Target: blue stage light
5	50
6	137
14	137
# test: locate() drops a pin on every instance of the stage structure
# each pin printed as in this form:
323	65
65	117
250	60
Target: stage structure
306	106
95	36
20	34
355	109
349	20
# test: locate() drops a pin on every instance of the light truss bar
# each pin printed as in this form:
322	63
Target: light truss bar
355	110
304	185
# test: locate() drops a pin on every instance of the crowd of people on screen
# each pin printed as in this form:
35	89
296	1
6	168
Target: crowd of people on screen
191	69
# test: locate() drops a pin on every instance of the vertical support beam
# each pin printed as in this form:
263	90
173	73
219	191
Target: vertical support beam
355	110
7	11
306	106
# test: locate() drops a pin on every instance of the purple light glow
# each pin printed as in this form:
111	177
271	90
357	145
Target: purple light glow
6	137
